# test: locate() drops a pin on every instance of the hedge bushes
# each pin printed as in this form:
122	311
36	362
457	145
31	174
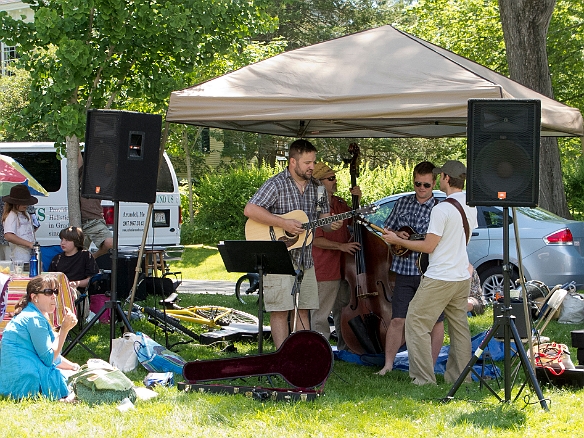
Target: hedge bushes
220	197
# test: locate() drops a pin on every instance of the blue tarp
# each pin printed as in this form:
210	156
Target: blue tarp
401	362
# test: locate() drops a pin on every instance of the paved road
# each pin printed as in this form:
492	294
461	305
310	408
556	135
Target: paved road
207	287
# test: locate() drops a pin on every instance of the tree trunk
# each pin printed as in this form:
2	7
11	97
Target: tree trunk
525	26
72	149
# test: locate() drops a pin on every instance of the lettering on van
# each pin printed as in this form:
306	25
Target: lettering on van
167	199
134	214
133	224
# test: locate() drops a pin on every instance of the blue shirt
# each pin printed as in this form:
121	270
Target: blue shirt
279	195
407	211
27	368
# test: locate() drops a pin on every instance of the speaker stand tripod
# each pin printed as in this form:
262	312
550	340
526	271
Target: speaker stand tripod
112	304
506	322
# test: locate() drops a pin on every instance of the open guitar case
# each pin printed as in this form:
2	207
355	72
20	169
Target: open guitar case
304	360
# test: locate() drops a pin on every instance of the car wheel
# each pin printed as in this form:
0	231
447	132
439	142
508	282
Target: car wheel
492	282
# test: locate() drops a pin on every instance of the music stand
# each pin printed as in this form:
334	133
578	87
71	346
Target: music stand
261	257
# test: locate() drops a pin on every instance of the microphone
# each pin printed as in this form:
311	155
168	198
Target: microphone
320	194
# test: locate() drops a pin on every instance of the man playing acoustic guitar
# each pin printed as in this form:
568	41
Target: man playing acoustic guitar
410	215
290	190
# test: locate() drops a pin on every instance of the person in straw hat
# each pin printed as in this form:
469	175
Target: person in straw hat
333	290
17	222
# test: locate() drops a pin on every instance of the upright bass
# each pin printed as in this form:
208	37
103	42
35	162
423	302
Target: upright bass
365	320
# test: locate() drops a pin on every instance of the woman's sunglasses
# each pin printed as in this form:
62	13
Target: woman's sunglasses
330	178
419	184
49	292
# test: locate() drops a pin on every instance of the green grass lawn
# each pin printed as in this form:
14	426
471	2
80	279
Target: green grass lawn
356	402
201	262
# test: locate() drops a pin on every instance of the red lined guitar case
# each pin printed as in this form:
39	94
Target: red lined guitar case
304	360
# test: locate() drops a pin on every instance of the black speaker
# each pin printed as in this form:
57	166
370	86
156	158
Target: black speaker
519	314
126	270
121	156
503	152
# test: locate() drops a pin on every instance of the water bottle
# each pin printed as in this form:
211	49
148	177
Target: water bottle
34	260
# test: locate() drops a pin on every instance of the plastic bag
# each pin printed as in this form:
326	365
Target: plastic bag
572	310
123	355
155	358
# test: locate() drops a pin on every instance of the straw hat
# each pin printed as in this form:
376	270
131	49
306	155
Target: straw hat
321	170
19	195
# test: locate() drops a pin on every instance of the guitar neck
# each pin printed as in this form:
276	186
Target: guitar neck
328	220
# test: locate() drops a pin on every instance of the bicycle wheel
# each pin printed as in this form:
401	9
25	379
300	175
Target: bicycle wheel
224	315
166	319
244	283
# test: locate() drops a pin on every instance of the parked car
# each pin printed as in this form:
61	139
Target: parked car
551	247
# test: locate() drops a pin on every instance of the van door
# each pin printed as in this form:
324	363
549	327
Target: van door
164	227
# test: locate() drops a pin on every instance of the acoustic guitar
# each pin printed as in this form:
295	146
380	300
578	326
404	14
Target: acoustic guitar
258	231
400	251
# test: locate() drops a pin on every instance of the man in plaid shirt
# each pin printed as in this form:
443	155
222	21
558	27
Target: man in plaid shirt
292	189
410	211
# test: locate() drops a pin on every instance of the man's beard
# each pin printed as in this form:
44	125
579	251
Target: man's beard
300	174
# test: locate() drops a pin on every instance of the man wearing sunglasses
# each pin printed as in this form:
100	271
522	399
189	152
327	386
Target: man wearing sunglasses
411	211
327	251
446	283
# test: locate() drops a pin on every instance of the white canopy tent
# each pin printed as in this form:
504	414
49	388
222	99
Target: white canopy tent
377	83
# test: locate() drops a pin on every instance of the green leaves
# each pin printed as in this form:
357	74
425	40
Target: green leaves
113	52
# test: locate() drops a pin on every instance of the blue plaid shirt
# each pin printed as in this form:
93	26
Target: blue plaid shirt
279	195
407	211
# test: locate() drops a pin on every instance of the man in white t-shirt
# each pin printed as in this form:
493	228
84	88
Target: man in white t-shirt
444	285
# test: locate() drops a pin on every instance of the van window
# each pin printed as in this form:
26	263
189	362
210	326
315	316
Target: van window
45	167
164	183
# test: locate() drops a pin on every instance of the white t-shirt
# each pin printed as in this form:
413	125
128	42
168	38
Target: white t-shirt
21	226
449	261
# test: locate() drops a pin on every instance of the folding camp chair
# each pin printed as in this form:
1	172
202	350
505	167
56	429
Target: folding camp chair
548	310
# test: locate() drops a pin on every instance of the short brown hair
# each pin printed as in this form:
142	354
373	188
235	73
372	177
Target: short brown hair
457	183
299	147
424	168
73	234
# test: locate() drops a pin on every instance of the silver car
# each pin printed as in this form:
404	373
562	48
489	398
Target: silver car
551	247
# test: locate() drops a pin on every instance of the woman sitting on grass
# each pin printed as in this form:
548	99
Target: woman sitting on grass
30	357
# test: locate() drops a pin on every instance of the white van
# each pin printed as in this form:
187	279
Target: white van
40	159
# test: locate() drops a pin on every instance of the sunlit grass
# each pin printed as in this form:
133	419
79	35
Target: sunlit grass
203	263
355	402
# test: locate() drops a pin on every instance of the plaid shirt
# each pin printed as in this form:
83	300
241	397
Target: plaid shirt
279	195
407	211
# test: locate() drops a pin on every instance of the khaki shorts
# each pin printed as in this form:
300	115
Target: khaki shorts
95	231
278	292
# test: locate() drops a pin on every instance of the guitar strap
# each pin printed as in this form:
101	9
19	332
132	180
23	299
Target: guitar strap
464	219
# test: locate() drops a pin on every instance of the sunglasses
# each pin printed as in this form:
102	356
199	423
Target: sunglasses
49	292
419	184
330	178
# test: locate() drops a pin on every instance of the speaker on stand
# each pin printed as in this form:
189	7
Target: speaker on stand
503	152
503	170
122	153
